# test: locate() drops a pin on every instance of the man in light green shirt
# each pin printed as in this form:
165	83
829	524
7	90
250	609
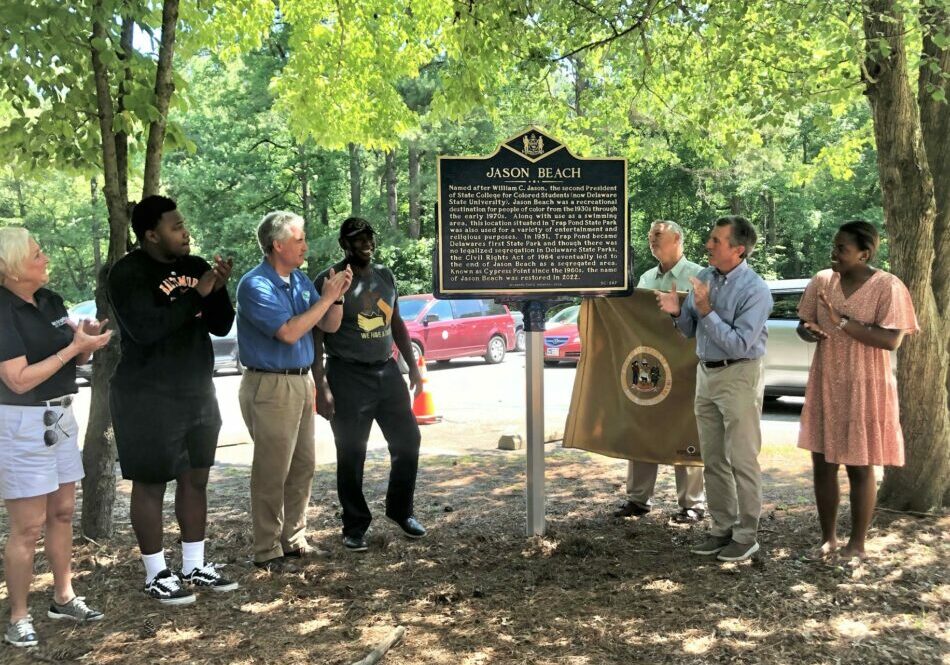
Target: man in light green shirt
666	245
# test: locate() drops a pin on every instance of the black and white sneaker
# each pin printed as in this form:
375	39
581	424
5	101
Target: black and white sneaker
208	577
166	588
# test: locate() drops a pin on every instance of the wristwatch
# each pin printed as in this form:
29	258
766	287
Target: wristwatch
843	322
340	301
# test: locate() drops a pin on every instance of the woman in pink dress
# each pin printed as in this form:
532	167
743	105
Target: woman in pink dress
857	314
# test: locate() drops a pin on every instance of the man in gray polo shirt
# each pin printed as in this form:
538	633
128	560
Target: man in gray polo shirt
673	271
727	313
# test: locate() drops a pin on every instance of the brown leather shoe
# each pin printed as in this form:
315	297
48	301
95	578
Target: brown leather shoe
631	509
307	552
277	565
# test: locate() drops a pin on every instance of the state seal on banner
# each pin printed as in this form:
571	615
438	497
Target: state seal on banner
645	376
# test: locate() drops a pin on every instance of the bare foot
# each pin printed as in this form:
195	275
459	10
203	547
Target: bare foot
823	552
850	552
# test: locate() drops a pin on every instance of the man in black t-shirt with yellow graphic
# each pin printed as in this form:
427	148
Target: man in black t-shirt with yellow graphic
362	383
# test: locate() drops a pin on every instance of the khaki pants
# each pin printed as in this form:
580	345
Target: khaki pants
728	411
641	481
278	412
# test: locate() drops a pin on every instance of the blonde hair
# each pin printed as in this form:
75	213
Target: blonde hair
14	251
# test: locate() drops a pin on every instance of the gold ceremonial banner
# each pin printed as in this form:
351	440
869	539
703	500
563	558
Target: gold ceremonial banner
634	388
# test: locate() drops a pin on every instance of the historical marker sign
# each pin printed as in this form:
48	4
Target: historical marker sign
532	221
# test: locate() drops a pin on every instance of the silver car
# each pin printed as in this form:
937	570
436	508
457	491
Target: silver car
226	351
77	313
787	357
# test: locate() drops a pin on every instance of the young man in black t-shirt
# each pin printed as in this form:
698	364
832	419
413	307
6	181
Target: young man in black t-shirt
164	408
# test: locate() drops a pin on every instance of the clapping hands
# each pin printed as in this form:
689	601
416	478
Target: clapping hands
222	271
701	296
833	314
90	335
813	329
669	302
337	283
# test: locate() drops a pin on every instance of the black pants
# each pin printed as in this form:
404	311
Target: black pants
362	394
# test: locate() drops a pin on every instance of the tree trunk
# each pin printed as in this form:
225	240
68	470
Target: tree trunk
355	177
99	445
303	173
391	190
414	225
768	218
580	84
735	204
98	454
935	124
96	230
910	215
20	199
164	87
122	137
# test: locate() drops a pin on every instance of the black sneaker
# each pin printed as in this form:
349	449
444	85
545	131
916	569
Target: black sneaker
355	543
411	527
166	588
631	509
208	577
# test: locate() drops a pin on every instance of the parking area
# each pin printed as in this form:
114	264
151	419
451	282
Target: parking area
478	403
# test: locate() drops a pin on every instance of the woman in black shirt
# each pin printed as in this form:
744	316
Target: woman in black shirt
39	457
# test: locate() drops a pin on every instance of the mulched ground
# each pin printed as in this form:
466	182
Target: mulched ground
593	590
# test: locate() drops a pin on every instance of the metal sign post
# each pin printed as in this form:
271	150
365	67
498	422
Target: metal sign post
534	402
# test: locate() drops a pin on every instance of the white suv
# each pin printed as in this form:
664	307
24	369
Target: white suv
787	357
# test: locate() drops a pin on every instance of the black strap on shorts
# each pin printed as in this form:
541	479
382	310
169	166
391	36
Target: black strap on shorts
296	371
713	364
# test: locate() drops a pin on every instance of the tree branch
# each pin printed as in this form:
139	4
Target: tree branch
647	14
164	87
118	219
263	141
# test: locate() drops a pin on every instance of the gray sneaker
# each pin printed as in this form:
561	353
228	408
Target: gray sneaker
74	610
711	545
738	551
21	633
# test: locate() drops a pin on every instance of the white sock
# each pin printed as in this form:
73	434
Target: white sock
154	564
192	556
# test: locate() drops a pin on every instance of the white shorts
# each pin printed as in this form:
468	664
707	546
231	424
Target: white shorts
28	467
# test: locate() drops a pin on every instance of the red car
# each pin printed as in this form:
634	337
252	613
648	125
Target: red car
562	343
445	329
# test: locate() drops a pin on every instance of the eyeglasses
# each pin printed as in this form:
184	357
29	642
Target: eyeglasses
51	422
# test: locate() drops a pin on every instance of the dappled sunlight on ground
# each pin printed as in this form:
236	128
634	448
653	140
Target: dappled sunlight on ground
594	590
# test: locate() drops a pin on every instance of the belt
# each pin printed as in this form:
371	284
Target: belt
713	364
296	371
59	401
360	363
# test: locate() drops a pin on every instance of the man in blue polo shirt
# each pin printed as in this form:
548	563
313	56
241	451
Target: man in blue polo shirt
278	308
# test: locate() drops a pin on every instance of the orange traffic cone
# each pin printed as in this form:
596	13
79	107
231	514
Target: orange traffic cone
423	406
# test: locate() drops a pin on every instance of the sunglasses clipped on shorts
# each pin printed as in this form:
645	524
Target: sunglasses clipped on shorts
51	421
